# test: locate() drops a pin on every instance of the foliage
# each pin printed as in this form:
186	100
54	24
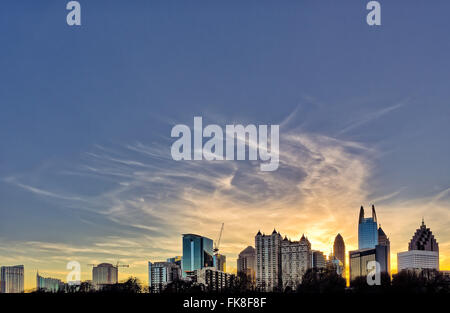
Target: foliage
323	280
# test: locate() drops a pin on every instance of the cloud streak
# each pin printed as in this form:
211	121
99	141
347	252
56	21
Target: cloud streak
152	200
371	117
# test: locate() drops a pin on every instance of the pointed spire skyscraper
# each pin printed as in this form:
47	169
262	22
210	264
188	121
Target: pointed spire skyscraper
361	214
374	214
339	249
367	230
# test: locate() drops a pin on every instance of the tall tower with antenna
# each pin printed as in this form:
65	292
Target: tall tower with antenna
367	230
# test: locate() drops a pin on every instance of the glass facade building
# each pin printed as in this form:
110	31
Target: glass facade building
197	253
220	262
373	245
11	278
359	261
367	230
48	284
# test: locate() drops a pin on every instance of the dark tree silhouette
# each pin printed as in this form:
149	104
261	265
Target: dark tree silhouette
360	285
131	285
425	281
241	284
324	280
182	286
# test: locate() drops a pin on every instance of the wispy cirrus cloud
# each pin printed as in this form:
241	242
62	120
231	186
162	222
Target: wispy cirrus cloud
368	117
41	192
317	190
161	198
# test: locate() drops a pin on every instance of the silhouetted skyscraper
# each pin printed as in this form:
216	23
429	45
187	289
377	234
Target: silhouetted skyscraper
383	238
423	239
367	230
384	251
318	259
246	263
339	249
220	262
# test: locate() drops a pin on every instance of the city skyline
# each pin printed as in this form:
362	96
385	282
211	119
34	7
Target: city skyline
86	172
430	245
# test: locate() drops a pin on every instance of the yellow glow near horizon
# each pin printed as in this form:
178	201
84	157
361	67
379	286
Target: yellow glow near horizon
231	250
323	203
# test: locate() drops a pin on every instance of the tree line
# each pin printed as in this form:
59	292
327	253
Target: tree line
314	281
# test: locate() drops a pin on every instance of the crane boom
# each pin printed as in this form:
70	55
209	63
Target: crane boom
216	249
117	265
121	265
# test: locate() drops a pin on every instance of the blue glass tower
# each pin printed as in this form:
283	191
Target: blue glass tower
367	230
197	253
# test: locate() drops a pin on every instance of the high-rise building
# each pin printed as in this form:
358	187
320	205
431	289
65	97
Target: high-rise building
373	245
176	260
359	261
367	230
383	251
339	249
104	274
417	260
318	259
268	261
48	284
197	253
162	273
220	262
295	261
11	278
423	251
213	279
246	263
423	239
382	238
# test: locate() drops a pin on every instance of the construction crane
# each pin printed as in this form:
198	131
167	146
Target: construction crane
122	265
117	265
217	243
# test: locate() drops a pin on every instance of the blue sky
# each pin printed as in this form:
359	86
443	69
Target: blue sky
86	114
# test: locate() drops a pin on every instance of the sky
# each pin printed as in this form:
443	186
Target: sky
86	115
